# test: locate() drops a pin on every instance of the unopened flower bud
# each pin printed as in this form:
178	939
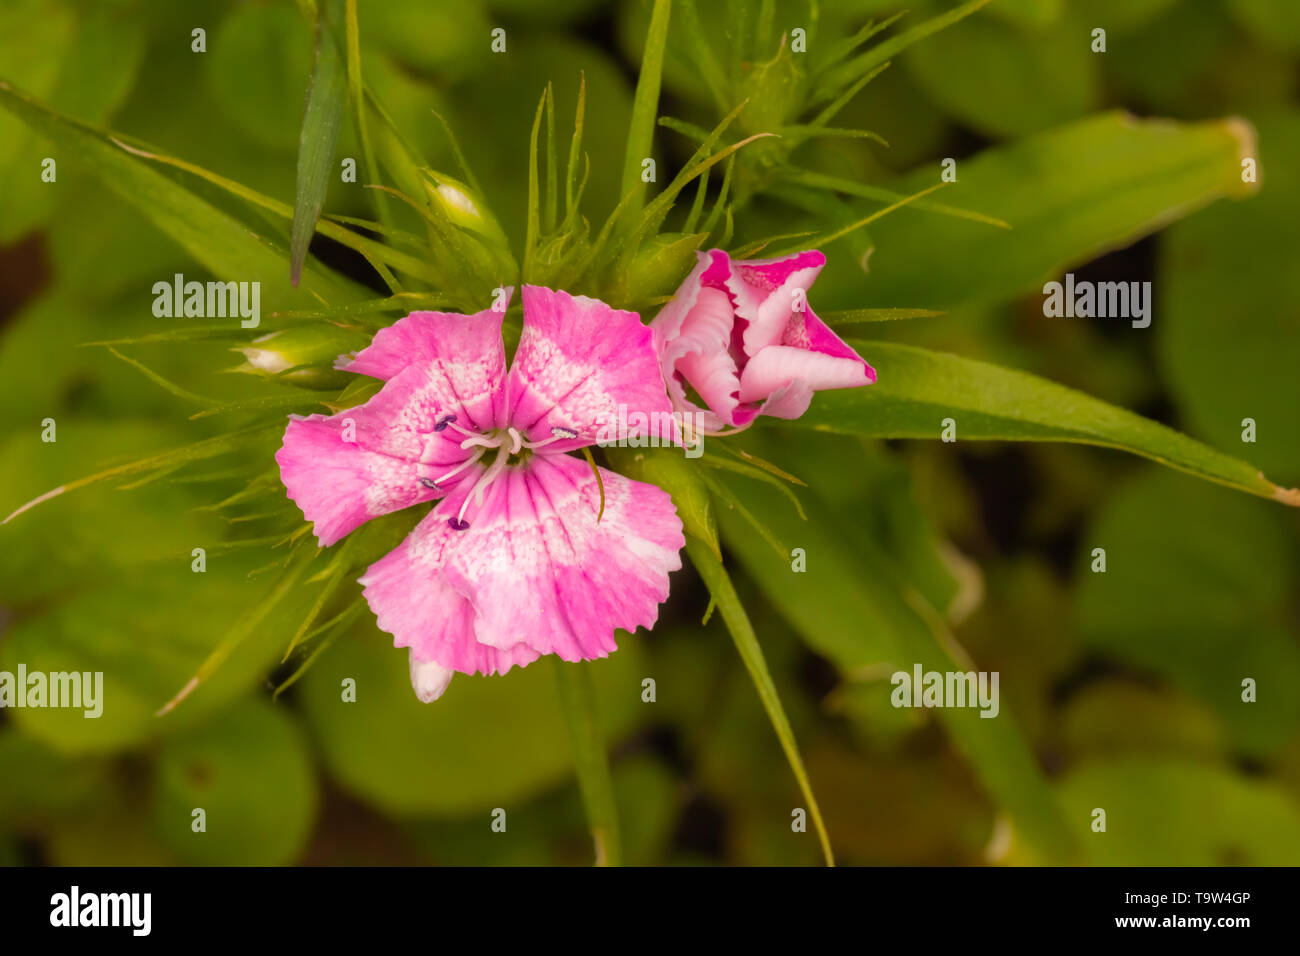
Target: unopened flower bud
302	356
429	679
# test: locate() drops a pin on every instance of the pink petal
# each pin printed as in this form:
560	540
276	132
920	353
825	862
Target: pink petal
341	484
578	361
802	372
810	357
539	568
413	601
806	331
713	268
700	355
462	356
764	293
381	456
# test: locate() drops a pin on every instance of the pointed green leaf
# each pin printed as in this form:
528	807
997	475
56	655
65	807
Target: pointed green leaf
326	101
645	106
222	244
918	389
1070	194
751	652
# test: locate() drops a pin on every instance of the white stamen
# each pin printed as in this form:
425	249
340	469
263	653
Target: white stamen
460	428
461	467
484	440
498	465
558	433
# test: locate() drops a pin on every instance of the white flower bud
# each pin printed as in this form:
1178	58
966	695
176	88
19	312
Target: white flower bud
429	678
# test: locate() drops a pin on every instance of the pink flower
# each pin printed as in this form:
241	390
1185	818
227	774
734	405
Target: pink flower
512	563
743	336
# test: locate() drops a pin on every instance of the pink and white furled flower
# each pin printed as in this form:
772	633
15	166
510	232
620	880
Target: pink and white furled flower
516	560
742	335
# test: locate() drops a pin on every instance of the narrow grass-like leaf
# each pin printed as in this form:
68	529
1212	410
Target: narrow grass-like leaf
532	226
689	130
208	448
841	101
243	629
855	316
402	302
222	244
183	334
333	574
861	612
298	400
852	227
374	252
162	382
865	62
711	223
758	474
852	187
645	104
549	210
356	94
461	163
838	51
723	591
571	195
322	119
798	134
704	57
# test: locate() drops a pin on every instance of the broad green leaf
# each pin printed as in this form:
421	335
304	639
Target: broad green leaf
1206	605
408	758
1070	194
1174	813
147	633
1272	22
82	58
855	605
248	768
70	539
1030	77
918	390
1230	289
259	57
1127	715
1121	17
449	38
225	246
42	784
738	624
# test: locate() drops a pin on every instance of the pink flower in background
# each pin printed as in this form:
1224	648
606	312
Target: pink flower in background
742	335
512	563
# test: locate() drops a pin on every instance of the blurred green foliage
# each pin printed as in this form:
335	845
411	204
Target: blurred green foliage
1121	690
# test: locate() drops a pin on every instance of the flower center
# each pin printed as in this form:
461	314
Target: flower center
508	443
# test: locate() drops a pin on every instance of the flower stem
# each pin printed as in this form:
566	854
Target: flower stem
578	697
